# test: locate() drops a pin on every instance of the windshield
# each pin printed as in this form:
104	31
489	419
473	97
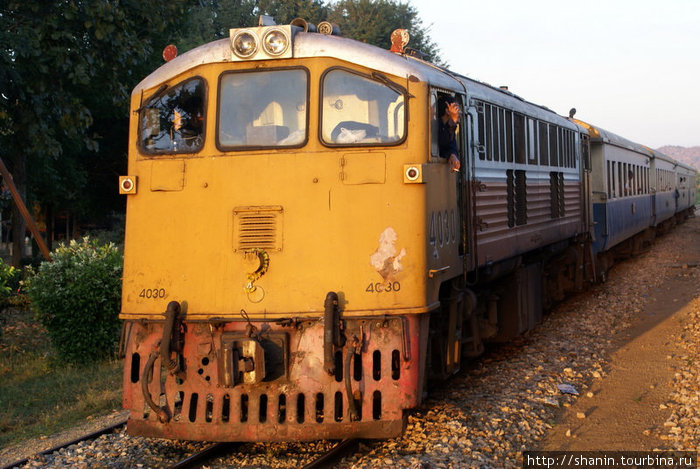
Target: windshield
263	109
360	111
173	121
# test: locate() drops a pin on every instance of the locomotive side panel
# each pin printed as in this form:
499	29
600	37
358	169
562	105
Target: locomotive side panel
528	181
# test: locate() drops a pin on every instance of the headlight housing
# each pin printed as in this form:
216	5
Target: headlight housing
244	44
263	43
275	42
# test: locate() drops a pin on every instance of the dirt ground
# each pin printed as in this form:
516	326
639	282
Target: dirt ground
627	408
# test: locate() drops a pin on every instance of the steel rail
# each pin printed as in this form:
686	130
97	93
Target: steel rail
90	436
333	454
203	455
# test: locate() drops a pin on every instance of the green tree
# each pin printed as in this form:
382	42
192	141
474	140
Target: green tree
209	20
64	67
372	21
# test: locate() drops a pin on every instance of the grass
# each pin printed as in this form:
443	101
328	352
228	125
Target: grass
40	395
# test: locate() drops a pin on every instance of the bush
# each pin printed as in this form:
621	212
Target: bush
76	297
9	282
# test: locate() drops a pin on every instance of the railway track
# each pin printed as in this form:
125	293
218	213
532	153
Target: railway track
89	436
325	460
201	457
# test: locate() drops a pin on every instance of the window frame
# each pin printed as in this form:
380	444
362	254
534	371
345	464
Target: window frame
399	89
143	151
239	148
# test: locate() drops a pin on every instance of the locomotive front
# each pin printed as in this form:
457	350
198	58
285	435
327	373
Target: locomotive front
275	281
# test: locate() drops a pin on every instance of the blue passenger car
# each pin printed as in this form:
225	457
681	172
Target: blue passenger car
622	193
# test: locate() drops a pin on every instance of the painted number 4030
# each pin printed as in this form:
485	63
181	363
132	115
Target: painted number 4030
379	287
152	293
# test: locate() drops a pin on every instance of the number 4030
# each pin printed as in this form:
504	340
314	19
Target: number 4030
379	287
152	293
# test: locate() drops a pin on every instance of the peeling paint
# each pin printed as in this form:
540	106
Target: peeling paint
385	260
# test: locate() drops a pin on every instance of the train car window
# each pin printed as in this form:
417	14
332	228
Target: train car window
173	120
509	136
532	146
646	180
553	147
494	133
501	135
544	144
489	131
614	180
358	110
482	128
561	152
519	138
608	179
259	109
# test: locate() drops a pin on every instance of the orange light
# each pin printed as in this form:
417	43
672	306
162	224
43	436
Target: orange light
127	184
399	40
412	174
170	52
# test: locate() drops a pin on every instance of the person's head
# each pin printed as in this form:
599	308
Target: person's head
442	104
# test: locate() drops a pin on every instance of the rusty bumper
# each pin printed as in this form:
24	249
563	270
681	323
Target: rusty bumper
224	390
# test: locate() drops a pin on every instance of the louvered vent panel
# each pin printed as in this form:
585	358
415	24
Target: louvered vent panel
257	227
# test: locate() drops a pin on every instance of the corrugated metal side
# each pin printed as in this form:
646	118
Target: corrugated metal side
497	241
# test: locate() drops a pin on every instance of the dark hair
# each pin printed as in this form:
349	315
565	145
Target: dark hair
442	104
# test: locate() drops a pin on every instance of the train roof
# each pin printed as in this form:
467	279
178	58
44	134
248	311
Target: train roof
310	45
320	45
687	167
601	135
662	156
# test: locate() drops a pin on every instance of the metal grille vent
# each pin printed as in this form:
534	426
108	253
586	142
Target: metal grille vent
257	227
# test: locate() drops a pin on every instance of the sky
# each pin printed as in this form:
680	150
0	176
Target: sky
631	67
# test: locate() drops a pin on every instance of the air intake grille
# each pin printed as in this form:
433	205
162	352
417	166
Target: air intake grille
257	227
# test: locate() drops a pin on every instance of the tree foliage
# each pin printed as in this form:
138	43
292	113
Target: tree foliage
370	21
65	68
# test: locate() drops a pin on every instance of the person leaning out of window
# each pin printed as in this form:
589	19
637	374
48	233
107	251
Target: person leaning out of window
448	121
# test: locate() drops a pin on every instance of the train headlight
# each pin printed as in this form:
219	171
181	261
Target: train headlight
275	42
244	44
